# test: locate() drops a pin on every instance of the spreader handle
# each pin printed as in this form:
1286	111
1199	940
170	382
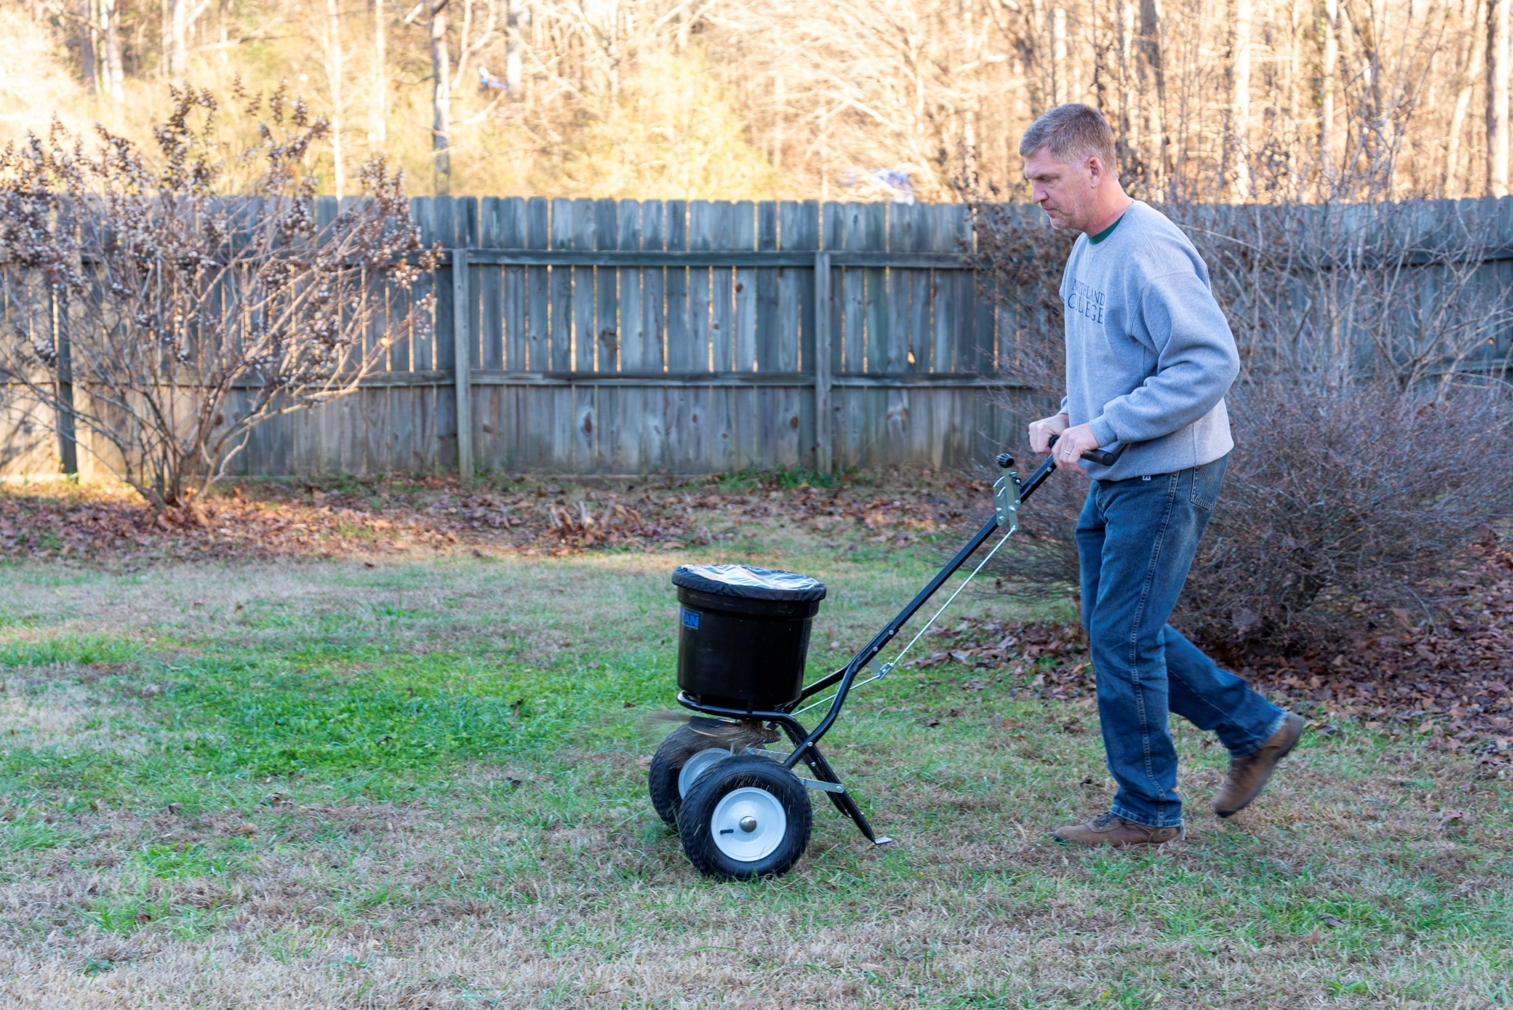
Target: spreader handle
1100	456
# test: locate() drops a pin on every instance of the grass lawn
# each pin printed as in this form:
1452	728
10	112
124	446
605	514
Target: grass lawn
421	784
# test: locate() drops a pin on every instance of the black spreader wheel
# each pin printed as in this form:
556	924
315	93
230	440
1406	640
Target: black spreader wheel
662	781
745	817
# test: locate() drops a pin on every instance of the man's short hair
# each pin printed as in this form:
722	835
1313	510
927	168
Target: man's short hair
1074	133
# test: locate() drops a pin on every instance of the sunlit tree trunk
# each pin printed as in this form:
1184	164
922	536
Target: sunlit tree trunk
1497	97
1239	102
1328	70
1153	75
441	97
1058	55
1129	111
378	99
333	80
110	16
1471	64
513	11
178	39
89	68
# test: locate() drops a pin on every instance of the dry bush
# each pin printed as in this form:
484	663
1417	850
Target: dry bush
1371	418
158	308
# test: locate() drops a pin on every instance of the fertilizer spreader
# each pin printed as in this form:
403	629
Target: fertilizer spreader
741	810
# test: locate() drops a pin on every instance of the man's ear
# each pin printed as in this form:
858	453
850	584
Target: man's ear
1095	171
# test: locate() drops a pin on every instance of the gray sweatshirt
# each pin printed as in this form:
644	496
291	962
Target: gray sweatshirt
1149	355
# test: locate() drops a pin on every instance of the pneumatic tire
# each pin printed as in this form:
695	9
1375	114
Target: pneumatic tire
662	780
745	817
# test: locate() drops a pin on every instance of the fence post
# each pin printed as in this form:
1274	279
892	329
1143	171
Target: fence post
822	456
68	446
462	370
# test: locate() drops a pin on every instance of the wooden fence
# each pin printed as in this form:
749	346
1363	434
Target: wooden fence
619	337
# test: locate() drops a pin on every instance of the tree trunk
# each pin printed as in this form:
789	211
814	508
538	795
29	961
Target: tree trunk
1239	102
1328	69
1471	64
512	14
115	78
779	99
1058	55
441	97
1129	111
1154	76
1372	127
333	78
1497	97
178	39
89	66
378	100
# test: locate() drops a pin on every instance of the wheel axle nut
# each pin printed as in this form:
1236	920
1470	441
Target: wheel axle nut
748	824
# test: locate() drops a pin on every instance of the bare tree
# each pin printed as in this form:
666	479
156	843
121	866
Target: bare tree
378	93
160	314
1239	103
1471	27
1497	97
115	77
331	44
1328	74
180	19
89	70
441	96
514	13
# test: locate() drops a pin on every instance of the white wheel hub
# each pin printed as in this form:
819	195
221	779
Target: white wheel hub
748	824
697	765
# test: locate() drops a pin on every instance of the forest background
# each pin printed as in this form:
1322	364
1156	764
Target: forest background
1212	100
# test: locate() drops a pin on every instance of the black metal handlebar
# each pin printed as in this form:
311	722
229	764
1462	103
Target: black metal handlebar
847	674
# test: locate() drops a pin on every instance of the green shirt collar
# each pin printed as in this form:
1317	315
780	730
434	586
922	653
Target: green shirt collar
1105	233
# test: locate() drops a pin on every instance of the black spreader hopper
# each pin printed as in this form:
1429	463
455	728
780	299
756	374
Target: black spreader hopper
744	634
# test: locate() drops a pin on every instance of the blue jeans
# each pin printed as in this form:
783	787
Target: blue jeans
1136	539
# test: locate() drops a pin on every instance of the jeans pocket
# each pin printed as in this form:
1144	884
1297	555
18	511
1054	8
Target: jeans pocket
1206	482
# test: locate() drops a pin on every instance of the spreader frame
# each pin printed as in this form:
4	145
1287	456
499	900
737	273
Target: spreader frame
1009	493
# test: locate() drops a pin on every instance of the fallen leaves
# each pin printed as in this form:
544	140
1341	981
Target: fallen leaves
366	517
1450	817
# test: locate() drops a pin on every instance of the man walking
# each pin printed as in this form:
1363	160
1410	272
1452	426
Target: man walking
1149	357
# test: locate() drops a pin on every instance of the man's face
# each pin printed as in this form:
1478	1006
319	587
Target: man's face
1065	192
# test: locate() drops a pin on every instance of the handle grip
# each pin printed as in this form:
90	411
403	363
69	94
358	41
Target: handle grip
1102	457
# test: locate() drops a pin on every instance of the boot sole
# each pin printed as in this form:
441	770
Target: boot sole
1261	787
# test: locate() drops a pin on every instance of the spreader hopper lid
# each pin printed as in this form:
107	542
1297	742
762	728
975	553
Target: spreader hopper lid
748	583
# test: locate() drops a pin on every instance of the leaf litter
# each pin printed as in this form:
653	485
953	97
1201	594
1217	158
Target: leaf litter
1449	681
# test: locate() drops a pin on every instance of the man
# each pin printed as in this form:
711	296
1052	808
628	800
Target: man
1149	357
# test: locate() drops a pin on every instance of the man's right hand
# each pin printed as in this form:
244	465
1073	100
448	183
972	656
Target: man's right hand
1042	430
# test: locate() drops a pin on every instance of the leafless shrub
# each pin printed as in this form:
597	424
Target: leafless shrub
158	310
1371	417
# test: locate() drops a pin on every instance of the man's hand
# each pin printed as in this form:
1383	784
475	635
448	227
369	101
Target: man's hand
1071	445
1042	430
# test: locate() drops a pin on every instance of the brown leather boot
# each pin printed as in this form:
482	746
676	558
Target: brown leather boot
1111	829
1249	774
